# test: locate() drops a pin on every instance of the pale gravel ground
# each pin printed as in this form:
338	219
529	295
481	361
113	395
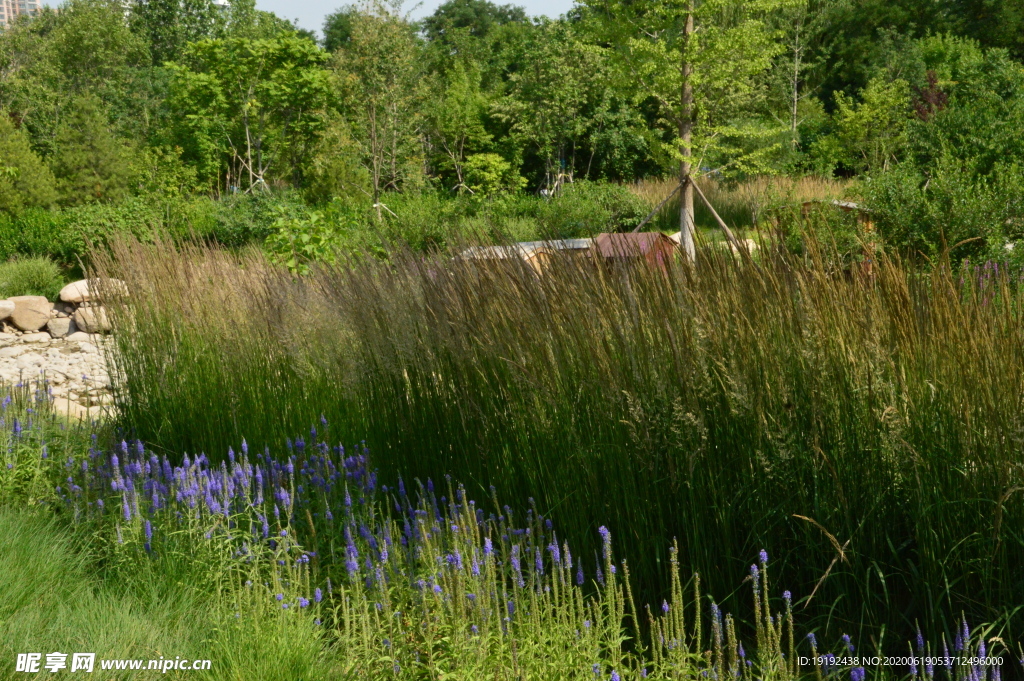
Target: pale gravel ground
76	371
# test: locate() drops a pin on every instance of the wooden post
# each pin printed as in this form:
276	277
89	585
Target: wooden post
721	223
686	222
657	209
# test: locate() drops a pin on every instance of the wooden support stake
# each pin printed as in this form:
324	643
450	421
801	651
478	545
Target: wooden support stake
658	208
714	213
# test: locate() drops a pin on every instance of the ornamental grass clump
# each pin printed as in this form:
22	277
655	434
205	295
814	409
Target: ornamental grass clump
866	420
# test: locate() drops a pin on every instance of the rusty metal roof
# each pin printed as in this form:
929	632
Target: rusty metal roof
627	245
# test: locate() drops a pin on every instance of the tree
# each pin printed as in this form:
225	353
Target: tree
48	61
93	46
25	181
872	131
169	25
89	162
454	113
549	101
338	28
799	24
246	106
376	76
476	17
703	63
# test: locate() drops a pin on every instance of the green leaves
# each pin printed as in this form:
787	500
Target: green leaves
250	110
724	61
25	182
296	242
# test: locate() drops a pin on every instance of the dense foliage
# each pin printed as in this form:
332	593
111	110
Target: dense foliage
184	99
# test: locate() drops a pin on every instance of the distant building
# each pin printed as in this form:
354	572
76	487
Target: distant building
535	253
9	9
656	249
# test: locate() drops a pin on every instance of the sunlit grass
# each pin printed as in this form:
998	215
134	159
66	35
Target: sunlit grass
788	406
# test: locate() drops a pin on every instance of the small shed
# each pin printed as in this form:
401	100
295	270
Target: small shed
537	253
656	249
534	253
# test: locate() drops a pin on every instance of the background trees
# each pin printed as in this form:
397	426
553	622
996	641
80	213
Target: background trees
478	99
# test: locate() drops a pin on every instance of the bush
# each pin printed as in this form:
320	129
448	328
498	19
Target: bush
923	214
585	209
30	277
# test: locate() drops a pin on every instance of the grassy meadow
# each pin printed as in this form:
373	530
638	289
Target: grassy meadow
860	426
302	564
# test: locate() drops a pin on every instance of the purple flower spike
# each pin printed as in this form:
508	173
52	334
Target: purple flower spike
764	557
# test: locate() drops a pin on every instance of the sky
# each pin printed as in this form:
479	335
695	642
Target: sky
311	13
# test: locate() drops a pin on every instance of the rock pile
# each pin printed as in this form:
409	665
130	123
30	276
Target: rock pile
75	371
75	316
62	343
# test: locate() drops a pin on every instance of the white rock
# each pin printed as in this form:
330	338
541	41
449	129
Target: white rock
79	336
84	290
12	351
6	308
74	411
61	327
30	312
42	337
30	360
92	319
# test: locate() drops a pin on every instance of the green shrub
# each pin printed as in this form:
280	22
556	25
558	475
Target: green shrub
919	213
585	209
30	277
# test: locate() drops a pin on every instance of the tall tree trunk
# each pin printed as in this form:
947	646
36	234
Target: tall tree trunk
686	223
797	59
